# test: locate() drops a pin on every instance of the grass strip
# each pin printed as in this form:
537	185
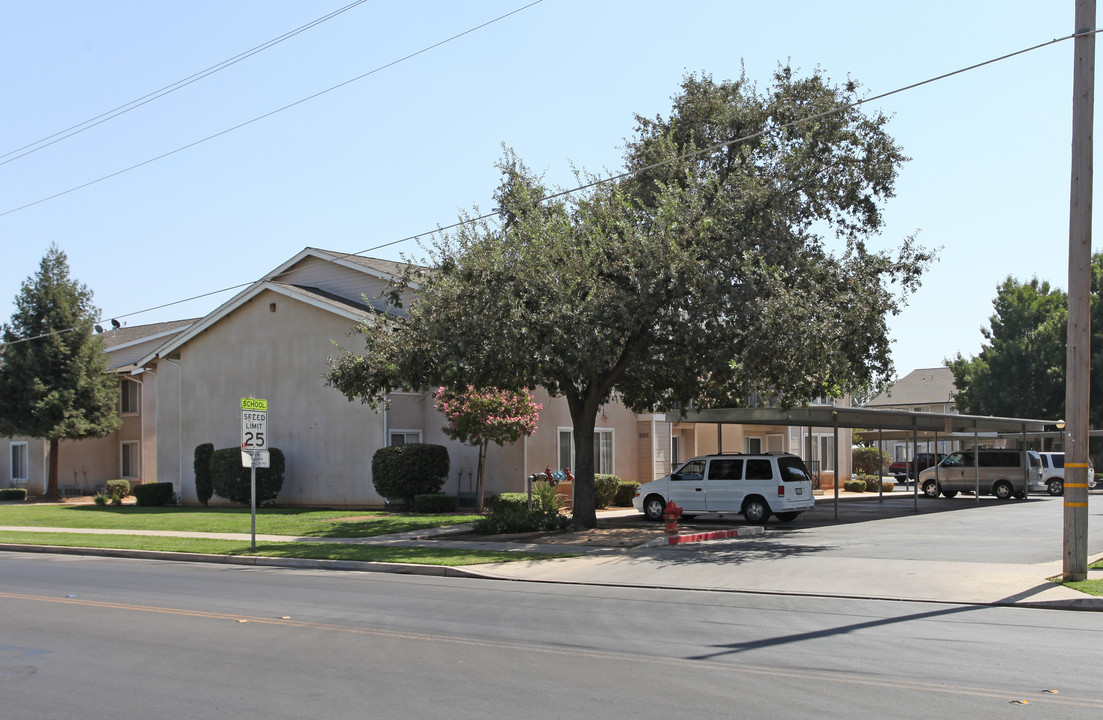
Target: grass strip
314	550
270	521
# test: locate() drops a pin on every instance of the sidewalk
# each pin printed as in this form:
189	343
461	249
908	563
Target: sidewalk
816	561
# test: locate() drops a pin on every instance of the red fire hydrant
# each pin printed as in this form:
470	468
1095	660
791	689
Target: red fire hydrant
672	513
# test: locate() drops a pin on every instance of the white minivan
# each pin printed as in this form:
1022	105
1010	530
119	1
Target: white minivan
755	486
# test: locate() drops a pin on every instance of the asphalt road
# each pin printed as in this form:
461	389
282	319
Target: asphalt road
96	638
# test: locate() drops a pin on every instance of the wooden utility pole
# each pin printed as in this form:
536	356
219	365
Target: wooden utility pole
1077	364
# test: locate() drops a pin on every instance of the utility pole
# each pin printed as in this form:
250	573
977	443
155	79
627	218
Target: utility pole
1077	363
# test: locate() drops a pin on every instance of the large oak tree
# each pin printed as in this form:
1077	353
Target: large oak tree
54	379
701	276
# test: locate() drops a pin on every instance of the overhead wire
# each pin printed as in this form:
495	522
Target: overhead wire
80	127
273	112
629	173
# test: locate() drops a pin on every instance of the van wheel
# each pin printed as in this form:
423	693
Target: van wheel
756	511
930	489
1055	487
949	493
1021	495
1003	490
787	516
653	507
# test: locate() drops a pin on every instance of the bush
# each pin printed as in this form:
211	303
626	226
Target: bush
887	486
231	481
117	489
625	492
434	503
100	499
404	471
869	461
13	494
204	487
854	486
605	489
510	519
504	500
872	482
153	494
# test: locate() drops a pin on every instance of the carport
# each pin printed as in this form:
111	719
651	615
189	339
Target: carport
889	424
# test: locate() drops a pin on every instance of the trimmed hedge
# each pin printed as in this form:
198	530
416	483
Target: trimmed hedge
625	492
403	472
13	494
854	486
510	519
154	494
519	501
435	503
204	486
232	481
117	488
605	489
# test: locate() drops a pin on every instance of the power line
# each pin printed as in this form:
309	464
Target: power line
179	84
270	114
620	176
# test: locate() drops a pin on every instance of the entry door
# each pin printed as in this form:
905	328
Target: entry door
687	487
724	487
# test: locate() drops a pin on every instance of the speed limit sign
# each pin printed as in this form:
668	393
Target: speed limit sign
254	424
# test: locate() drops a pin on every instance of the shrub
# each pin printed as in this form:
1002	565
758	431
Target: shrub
100	499
153	494
869	461
404	471
854	486
503	500
434	503
204	487
511	519
545	497
231	481
605	489
13	494
625	492
117	489
872	482
888	486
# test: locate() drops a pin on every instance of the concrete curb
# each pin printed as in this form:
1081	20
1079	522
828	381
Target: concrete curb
702	537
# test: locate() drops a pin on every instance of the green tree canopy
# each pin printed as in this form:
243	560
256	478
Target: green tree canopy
698	278
54	380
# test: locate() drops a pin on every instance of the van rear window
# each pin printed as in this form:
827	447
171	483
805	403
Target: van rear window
792	469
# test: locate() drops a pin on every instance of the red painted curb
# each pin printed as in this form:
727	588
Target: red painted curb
698	537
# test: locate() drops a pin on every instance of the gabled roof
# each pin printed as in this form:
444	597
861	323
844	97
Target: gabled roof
119	338
919	387
330	302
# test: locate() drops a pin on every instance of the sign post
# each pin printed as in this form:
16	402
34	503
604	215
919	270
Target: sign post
254	451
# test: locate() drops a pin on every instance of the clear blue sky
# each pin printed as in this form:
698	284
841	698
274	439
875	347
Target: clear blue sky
401	151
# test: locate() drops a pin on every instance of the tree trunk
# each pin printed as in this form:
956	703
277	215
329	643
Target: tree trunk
584	418
51	484
481	482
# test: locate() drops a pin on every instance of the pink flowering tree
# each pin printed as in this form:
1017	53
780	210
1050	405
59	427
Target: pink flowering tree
479	417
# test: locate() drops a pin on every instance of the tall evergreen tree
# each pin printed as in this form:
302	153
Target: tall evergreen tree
54	380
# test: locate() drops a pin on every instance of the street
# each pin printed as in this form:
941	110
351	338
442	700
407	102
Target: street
98	638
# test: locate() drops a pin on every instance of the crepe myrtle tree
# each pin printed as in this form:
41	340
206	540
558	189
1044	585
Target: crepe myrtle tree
698	277
478	417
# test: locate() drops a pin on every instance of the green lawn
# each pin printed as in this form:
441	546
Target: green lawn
312	550
1091	587
270	521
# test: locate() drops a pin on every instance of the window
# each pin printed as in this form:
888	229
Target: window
404	437
759	469
726	469
19	471
675	450
129	460
692	471
603	449
129	394
752	445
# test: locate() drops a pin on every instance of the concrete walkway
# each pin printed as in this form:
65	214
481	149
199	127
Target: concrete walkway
820	560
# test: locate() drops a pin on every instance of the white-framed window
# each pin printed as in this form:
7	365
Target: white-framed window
752	445
130	393
20	472
675	450
403	437
129	460
603	449
820	451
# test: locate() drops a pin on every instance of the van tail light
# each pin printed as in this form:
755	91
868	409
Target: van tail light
781	491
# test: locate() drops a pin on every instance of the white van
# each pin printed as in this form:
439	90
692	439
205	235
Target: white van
1052	479
755	486
1003	473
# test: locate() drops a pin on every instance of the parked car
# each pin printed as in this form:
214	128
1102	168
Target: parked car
1052	479
997	472
754	485
902	469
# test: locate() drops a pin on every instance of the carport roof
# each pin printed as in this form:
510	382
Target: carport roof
864	419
